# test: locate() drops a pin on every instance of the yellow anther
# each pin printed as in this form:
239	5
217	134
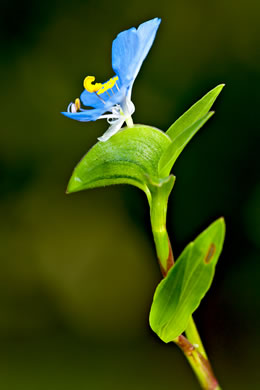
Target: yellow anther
108	85
77	104
74	107
89	86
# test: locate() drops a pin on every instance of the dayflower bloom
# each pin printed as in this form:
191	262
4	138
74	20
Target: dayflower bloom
112	99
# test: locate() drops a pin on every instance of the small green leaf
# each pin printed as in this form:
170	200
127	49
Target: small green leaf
197	111
131	156
180	293
178	144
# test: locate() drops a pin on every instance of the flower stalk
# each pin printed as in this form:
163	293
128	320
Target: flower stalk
129	122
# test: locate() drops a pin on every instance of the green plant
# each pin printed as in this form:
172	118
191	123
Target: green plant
144	157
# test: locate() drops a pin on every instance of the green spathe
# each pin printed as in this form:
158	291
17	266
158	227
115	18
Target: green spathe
131	156
180	293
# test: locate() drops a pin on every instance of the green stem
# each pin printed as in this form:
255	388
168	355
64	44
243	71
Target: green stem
193	336
160	192
191	345
200	365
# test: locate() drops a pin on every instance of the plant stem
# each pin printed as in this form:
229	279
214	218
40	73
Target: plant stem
200	365
191	345
193	336
158	211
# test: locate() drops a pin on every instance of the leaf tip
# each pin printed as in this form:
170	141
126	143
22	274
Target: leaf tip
220	224
73	185
222	221
216	91
220	87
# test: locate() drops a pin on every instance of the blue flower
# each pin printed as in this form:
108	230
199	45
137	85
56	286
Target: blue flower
112	99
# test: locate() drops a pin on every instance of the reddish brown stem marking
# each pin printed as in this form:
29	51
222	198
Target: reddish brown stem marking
195	357
185	345
170	261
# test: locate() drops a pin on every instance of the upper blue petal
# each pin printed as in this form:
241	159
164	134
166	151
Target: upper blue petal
130	48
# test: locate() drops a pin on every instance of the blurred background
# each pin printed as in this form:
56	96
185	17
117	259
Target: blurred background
78	272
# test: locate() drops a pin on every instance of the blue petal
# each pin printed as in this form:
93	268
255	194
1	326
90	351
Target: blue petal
86	115
91	100
130	48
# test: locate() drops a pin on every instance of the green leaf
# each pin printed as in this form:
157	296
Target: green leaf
180	293
178	144
131	156
197	111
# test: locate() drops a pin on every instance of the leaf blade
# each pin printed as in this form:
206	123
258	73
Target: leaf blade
195	112
180	293
173	151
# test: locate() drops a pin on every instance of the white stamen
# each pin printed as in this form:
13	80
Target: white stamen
73	108
69	107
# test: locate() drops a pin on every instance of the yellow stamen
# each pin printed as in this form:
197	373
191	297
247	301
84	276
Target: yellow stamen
108	85
89	86
77	104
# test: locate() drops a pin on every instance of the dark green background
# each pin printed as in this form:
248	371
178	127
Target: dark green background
78	272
